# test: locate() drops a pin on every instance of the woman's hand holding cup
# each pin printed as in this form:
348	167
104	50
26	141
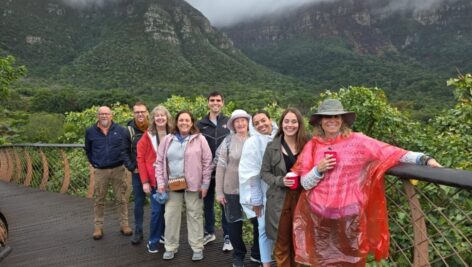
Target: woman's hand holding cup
291	180
328	162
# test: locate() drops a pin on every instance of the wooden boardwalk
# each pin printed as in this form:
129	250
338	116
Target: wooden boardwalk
52	229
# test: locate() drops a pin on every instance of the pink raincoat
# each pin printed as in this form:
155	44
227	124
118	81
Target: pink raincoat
344	217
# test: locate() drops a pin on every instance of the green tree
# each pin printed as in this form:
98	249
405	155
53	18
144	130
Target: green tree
75	123
9	73
377	118
41	128
452	129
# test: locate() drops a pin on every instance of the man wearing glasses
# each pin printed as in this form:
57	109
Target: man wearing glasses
103	146
136	128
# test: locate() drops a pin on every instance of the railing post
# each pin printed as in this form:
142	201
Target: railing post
3	165
10	165
66	181
420	244
44	180
18	167
29	168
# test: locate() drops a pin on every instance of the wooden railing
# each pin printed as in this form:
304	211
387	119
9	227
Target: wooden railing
430	222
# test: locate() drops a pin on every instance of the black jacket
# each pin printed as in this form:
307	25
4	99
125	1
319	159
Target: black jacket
129	146
104	151
214	134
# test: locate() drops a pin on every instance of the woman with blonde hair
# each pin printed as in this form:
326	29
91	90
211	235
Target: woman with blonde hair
342	215
160	124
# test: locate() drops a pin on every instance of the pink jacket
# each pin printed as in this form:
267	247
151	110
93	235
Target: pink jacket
197	162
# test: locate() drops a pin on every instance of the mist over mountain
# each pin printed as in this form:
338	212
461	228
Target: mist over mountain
409	51
229	12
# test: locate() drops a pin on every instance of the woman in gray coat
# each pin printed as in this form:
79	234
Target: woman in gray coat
284	189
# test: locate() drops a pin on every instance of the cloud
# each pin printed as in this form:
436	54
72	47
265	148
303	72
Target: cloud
86	3
228	12
415	5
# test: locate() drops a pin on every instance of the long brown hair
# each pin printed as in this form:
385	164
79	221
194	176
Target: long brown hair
301	138
193	130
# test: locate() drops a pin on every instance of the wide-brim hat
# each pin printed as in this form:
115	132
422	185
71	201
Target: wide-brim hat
237	113
332	107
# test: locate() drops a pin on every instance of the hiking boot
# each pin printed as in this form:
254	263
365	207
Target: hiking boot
197	256
137	238
126	230
208	238
152	248
169	254
227	244
97	233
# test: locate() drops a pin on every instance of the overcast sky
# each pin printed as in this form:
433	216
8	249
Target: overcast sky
227	12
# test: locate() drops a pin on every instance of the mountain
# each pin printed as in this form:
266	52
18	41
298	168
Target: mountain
148	47
409	53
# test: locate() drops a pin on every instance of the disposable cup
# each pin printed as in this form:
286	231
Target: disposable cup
294	177
333	154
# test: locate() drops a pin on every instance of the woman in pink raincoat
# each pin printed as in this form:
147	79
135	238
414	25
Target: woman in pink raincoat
342	216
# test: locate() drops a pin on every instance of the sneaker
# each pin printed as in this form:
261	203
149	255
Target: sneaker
227	244
169	254
197	256
137	237
152	248
162	240
208	238
255	259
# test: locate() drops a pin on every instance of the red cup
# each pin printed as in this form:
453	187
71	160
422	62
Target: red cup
332	153
294	177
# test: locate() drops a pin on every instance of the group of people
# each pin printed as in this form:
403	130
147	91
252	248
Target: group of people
314	201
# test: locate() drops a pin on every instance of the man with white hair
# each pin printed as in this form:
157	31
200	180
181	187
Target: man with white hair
103	146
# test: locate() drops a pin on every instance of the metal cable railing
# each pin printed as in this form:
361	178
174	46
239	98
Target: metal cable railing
430	223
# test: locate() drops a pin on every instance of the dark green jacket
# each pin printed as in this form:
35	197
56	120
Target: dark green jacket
273	171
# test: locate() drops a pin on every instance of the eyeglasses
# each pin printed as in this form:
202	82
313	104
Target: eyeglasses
331	116
140	112
104	114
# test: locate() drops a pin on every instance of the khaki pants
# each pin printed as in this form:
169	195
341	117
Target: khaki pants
129	187
103	177
173	218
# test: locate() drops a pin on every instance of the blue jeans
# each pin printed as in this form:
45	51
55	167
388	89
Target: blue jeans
209	211
139	198
156	225
265	244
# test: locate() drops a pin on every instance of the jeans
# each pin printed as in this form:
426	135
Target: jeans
139	198
209	211
265	244
236	238
156	225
